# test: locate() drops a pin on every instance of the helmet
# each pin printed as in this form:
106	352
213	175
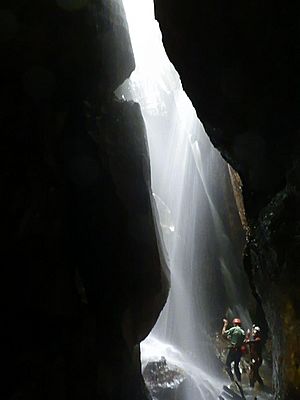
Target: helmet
256	329
236	321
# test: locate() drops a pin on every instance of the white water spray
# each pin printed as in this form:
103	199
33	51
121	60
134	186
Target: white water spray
192	190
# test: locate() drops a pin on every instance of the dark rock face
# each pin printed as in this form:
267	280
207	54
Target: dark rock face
169	382
82	275
82	281
271	257
239	65
163	380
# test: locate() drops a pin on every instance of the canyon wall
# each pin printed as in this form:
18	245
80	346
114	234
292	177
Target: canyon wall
239	64
83	277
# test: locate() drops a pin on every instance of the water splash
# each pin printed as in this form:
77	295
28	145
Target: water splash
192	190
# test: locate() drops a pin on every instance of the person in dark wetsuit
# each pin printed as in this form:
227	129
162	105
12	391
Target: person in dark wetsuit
236	335
255	351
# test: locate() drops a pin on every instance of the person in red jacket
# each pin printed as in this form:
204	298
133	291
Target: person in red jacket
255	351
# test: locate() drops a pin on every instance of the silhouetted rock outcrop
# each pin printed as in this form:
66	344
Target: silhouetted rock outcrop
83	280
83	283
239	64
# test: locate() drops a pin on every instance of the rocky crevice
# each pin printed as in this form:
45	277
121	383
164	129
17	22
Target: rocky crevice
70	154
238	64
83	283
271	256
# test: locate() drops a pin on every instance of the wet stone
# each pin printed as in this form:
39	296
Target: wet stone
163	379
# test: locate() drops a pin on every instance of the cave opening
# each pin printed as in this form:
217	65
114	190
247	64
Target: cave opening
201	233
83	280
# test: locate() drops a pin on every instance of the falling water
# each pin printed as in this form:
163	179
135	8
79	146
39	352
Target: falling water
197	213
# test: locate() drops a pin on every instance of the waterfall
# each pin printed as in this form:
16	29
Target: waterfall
197	212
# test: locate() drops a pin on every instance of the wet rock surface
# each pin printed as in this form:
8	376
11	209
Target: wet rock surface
162	379
271	256
167	381
69	329
74	306
239	65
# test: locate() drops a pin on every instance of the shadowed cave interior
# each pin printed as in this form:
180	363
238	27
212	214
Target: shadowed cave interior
85	272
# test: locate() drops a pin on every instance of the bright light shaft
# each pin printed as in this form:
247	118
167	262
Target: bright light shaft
185	172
